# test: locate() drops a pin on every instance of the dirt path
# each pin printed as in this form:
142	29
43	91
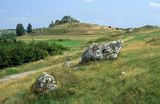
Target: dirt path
15	76
24	74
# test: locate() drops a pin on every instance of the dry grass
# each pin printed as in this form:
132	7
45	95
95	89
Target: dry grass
96	82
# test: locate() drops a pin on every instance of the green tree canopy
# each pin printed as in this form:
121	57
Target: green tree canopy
29	28
51	24
19	30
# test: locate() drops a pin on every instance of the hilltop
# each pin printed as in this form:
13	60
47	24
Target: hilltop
71	26
74	29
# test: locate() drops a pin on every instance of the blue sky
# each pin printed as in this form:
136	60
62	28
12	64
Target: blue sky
120	13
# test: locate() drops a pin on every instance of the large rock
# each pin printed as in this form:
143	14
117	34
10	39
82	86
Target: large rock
92	53
109	50
44	83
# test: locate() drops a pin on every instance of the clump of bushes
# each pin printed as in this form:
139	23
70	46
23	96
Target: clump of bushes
8	37
17	53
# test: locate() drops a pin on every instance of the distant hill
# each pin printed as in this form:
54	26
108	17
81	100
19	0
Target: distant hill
71	26
147	28
74	29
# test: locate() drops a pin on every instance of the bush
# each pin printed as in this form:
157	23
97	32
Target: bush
35	54
17	53
4	57
50	47
40	54
8	38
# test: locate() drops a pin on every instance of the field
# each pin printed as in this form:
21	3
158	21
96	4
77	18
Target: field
99	82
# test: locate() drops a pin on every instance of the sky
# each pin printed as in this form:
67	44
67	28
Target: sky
117	13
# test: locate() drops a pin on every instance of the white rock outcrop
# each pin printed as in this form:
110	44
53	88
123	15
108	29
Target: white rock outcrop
45	82
106	50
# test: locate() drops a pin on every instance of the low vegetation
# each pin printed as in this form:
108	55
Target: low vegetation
133	78
13	53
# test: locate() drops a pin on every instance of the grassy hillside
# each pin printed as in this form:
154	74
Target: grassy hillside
74	29
99	82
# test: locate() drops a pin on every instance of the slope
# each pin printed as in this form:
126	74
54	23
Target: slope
99	82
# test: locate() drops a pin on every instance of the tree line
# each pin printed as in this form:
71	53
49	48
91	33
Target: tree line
21	31
66	19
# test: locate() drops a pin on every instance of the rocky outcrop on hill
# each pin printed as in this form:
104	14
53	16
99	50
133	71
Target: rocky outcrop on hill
107	50
44	83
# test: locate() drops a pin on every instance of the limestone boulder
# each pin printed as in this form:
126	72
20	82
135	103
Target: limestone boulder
44	83
111	50
93	53
106	50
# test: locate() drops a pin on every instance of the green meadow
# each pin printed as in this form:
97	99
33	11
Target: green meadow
133	78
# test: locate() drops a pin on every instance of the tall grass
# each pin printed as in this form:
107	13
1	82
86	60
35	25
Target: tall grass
100	82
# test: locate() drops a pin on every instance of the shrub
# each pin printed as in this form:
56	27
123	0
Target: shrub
50	47
4	57
17	53
8	38
34	54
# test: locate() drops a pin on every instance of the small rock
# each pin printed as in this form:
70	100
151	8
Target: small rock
44	83
68	62
123	73
41	60
75	68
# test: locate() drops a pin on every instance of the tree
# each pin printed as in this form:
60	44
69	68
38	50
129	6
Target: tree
67	19
57	22
19	30
29	28
52	24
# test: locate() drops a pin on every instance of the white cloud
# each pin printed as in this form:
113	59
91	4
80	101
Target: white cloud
88	0
154	5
